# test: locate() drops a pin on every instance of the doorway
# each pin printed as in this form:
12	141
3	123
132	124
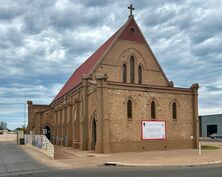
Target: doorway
211	129
47	132
93	145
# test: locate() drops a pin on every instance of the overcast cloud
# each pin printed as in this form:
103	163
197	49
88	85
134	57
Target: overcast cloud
43	41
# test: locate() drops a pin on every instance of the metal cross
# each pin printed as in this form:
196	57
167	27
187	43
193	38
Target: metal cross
131	9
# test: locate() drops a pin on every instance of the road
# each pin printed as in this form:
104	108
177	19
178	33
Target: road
213	171
14	159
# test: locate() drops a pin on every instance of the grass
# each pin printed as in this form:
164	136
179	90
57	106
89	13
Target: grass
206	147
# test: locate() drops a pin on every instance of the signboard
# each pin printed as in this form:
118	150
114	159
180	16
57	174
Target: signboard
153	130
44	132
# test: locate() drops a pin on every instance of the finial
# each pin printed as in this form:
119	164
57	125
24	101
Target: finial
131	8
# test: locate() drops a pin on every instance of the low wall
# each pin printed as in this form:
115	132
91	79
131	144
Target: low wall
152	145
41	143
7	136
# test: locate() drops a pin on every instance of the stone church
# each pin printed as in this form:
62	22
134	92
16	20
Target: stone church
103	103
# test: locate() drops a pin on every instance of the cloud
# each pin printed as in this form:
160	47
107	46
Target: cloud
9	111
9	10
43	41
186	39
13	98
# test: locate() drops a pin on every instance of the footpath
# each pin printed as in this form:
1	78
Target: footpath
70	158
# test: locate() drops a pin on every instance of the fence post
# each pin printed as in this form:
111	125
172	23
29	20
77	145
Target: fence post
31	137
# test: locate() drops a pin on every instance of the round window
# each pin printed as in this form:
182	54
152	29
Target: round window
132	30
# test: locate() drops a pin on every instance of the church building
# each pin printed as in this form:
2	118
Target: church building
120	100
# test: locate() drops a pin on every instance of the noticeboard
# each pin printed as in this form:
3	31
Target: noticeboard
44	131
153	130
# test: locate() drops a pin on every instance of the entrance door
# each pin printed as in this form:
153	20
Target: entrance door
211	129
48	132
93	134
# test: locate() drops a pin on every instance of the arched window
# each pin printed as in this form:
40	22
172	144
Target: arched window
124	73
153	110
174	111
129	109
132	69
139	74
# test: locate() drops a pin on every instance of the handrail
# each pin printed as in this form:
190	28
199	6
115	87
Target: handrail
41	142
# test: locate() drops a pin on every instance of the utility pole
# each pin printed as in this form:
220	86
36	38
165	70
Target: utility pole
24	114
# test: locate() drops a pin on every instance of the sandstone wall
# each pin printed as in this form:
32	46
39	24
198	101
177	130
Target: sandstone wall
126	134
121	53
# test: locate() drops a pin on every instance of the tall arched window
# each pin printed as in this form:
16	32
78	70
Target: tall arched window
124	73
129	109
132	63
139	74
174	111
153	110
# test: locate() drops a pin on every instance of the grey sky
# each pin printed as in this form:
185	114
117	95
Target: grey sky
43	41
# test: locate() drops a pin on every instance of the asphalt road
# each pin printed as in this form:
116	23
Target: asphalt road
15	162
14	159
212	171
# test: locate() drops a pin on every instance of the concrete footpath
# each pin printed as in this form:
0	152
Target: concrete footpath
69	158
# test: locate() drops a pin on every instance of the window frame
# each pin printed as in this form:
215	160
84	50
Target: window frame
174	111
129	109
124	73
153	110
140	73
132	70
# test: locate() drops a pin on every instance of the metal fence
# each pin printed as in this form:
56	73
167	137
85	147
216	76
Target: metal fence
41	142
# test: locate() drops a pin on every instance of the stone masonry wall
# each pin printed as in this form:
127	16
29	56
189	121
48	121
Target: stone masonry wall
124	131
120	54
91	115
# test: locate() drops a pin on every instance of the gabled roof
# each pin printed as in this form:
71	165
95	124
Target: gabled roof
85	68
93	61
137	36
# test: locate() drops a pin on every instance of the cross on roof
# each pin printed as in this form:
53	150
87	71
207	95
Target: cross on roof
131	10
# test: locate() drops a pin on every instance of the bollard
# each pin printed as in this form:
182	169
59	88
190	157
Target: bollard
199	147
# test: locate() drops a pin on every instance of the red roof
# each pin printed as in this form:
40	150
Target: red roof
85	68
90	63
136	36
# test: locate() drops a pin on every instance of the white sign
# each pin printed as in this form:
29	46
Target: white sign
153	130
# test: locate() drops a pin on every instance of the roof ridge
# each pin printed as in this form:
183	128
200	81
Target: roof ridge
161	69
75	78
94	60
117	34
